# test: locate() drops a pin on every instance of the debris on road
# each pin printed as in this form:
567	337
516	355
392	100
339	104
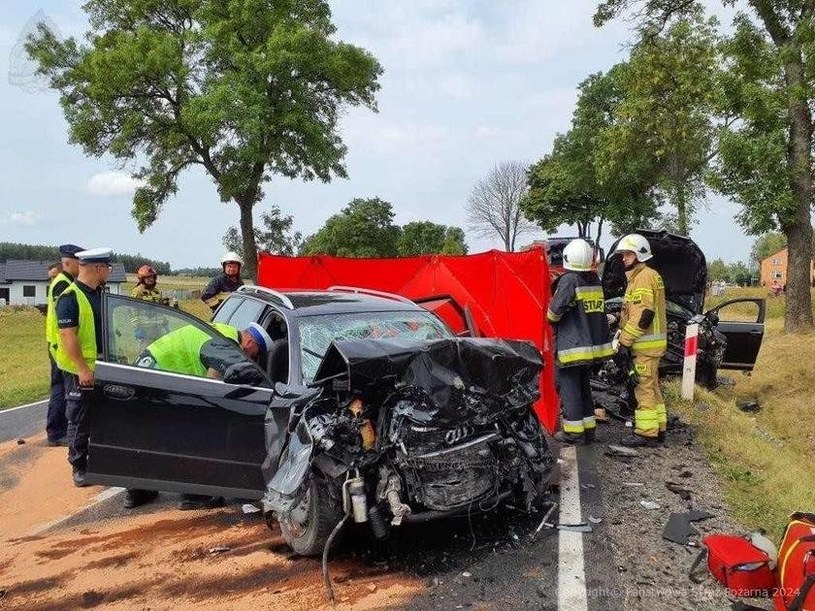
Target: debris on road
249	508
621	451
682	491
678	529
750	407
582	527
20	442
650	504
594	520
219	549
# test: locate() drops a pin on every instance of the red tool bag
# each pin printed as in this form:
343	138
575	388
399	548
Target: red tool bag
738	564
796	565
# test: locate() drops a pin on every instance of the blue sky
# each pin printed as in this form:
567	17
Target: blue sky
467	84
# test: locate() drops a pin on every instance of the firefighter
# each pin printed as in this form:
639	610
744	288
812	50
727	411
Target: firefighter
577	315
224	283
148	326
643	339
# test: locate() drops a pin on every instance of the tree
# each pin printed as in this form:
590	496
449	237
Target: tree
668	116
565	187
766	245
494	204
246	89
717	270
364	228
765	159
274	236
426	237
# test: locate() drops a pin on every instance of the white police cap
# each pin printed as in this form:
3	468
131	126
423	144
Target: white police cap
94	255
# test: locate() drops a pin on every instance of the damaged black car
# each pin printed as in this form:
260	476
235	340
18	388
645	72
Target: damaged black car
366	406
730	334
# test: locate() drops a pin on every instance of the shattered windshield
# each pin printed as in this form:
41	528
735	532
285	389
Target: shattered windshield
317	332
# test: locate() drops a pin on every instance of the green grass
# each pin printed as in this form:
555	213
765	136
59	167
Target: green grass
766	460
24	367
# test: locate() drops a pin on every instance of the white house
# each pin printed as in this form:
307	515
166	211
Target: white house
24	282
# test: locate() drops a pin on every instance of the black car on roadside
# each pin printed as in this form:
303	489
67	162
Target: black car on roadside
729	335
366	404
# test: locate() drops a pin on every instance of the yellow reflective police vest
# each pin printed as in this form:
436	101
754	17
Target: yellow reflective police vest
645	291
86	333
180	351
51	328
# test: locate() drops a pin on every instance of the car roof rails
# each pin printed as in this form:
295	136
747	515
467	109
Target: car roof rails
254	288
374	293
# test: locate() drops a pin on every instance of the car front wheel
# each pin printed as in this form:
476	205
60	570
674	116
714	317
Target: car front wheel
307	527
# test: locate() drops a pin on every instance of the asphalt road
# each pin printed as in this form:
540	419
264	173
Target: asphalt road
24	421
496	558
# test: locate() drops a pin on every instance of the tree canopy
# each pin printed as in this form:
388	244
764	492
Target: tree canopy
245	89
365	228
764	158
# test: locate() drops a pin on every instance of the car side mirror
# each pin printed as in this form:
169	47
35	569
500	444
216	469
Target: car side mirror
244	373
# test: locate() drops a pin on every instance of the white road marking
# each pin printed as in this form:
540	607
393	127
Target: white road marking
100	498
571	590
14	409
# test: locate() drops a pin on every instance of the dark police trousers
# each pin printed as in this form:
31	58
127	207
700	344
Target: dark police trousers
56	423
77	400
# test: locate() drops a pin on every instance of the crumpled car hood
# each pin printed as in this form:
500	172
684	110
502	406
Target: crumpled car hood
677	258
440	383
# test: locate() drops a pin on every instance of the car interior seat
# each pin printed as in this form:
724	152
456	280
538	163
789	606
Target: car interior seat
277	363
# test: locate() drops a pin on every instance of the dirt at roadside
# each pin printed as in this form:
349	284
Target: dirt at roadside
654	572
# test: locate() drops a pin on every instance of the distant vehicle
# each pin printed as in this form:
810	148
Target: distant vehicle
366	403
554	254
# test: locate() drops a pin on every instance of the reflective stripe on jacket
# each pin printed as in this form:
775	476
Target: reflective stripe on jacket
645	291
180	351
86	334
577	314
51	327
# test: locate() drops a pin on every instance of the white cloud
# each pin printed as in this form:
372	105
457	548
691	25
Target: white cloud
113	183
24	217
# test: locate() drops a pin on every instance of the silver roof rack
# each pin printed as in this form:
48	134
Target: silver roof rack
364	291
284	301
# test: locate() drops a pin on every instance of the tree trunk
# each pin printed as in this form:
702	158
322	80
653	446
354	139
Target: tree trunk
250	249
797	226
681	202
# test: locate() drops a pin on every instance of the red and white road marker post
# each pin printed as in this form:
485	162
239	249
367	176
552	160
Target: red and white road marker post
689	366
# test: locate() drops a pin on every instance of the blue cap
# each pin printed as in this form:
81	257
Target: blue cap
94	255
68	251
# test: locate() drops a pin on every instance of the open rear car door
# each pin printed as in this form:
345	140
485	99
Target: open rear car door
162	430
742	323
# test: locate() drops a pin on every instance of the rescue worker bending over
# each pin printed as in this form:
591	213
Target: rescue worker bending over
224	283
577	315
643	339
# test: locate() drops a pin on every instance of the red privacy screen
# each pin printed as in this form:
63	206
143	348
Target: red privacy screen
500	294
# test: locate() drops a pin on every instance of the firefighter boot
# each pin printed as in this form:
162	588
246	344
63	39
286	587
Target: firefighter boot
570	438
588	436
639	441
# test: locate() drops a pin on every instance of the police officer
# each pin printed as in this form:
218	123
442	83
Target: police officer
56	423
577	315
79	319
643	338
224	283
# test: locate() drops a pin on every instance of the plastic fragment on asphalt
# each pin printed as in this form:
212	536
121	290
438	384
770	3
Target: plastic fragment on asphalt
614	450
633	484
678	528
219	549
587	486
594	520
650	504
249	508
466	574
682	491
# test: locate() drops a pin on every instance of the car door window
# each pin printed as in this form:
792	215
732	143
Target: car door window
248	311
145	334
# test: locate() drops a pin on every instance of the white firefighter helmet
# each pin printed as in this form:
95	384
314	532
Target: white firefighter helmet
231	257
578	256
637	244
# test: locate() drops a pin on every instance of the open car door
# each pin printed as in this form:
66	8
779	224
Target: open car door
158	429
741	321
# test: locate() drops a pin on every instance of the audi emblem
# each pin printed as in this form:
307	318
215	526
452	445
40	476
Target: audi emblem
458	434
